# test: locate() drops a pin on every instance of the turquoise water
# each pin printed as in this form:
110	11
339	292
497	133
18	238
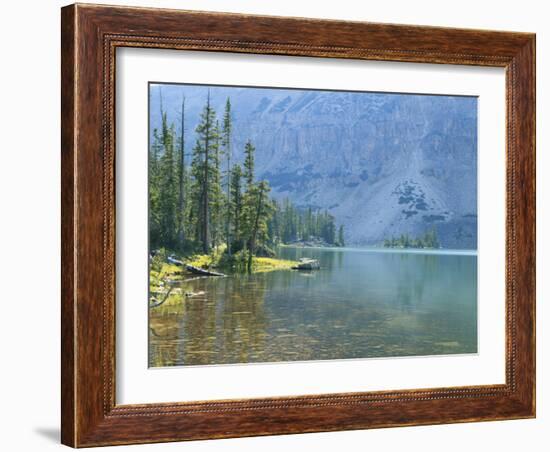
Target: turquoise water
361	304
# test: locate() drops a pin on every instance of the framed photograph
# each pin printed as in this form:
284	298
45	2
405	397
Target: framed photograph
280	225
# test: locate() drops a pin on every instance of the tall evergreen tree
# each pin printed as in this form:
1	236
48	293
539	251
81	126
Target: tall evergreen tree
289	222
249	150
257	214
182	180
274	224
308	229
236	203
203	167
154	214
226	143
341	241
167	186
216	192
331	229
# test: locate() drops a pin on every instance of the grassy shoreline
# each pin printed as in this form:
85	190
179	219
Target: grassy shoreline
163	273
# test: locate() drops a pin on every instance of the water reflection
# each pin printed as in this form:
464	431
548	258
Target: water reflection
360	304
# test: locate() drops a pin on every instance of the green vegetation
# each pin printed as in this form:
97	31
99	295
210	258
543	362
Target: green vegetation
213	212
291	225
161	273
264	264
428	240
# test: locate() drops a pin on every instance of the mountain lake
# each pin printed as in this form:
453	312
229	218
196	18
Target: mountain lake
362	303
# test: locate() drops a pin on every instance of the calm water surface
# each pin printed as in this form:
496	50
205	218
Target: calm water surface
361	304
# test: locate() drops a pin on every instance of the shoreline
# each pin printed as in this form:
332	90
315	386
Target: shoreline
374	249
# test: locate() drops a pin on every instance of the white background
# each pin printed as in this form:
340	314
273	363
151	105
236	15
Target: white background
29	178
137	384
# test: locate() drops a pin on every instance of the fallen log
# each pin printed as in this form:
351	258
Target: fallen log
202	271
174	261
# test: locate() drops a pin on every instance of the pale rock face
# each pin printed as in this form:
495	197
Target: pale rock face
382	164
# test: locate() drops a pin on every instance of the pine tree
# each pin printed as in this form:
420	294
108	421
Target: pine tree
167	192
203	169
331	229
274	225
258	210
289	222
249	150
182	180
309	224
249	203
154	188
226	143
236	204
341	241
216	192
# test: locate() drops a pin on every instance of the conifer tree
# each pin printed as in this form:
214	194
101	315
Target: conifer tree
309	224
249	150
216	192
182	180
226	143
154	187
257	214
341	236
236	203
249	200
274	224
167	192
203	169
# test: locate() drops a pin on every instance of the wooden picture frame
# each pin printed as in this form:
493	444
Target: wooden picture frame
90	36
